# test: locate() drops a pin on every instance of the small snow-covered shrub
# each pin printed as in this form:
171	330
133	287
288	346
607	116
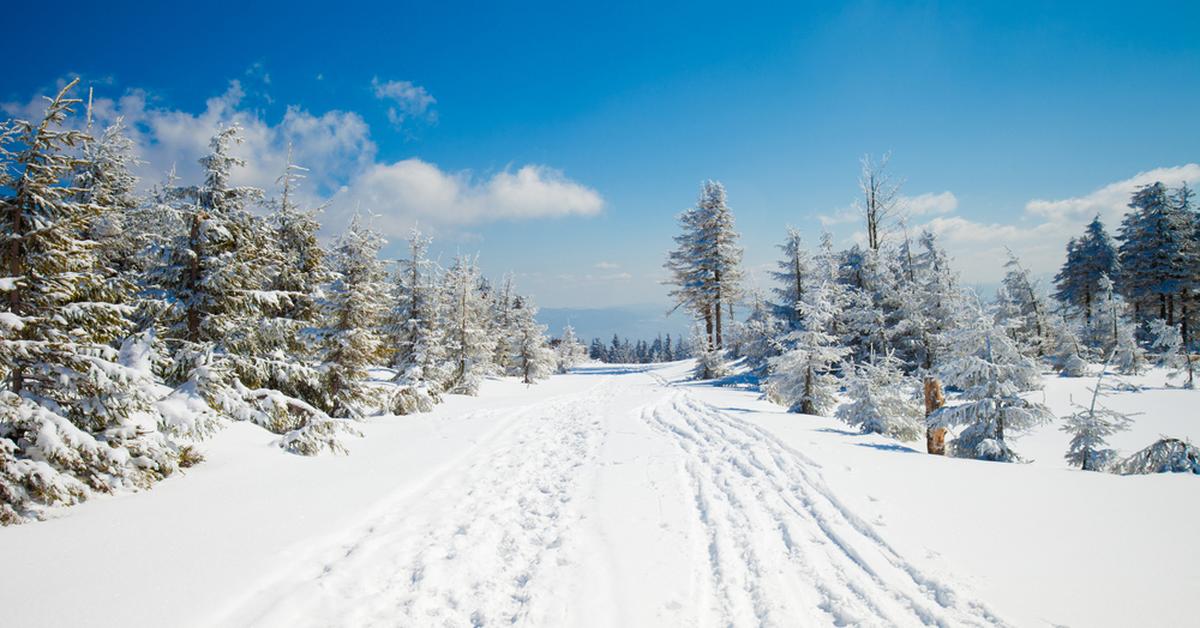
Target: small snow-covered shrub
1168	455
881	400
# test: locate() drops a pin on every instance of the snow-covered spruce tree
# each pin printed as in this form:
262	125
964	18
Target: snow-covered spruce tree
935	304
570	352
1090	257
1067	353
710	361
284	349
74	418
801	378
355	306
1090	426
882	400
415	332
758	336
990	372
106	179
1022	308
1154	253
705	266
503	326
214	291
531	356
469	347
792	273
1128	357
1172	354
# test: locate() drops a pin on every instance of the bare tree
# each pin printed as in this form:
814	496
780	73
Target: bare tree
880	198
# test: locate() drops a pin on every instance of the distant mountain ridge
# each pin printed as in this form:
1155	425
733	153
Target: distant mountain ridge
644	321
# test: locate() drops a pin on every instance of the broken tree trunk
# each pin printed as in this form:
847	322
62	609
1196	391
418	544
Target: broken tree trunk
935	437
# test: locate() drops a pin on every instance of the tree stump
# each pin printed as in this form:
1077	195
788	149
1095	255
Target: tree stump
935	437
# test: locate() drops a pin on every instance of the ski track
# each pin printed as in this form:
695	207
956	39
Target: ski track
489	542
483	560
781	544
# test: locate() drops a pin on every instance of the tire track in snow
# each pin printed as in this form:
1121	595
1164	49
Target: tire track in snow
781	544
477	548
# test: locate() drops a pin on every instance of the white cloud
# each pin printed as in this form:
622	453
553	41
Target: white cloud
337	149
1041	236
928	203
415	190
1111	200
602	265
910	206
408	100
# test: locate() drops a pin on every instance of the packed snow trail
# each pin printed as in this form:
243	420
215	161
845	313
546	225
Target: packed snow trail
630	502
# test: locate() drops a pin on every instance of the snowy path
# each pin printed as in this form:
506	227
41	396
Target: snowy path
629	502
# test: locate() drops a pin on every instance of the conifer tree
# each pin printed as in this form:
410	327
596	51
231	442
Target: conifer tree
469	348
881	400
991	371
1022	309
1089	427
1173	354
570	351
531	356
356	303
1089	257
706	264
74	417
802	378
415	331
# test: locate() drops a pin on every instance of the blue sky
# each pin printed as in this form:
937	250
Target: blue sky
561	141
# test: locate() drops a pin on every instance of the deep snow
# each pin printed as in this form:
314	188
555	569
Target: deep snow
625	496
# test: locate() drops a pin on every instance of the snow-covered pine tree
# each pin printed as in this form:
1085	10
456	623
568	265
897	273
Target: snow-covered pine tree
1022	309
1090	426
415	331
882	400
74	417
1128	357
355	306
801	378
570	352
1172	354
705	266
1089	257
469	347
530	356
989	369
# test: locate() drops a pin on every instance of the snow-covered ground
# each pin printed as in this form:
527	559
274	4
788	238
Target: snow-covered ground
625	497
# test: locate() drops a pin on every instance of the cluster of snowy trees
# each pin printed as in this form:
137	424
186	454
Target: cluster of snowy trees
859	331
622	351
1144	288
132	325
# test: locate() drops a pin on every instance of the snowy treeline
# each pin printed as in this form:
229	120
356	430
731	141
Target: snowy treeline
622	351
132	326
858	330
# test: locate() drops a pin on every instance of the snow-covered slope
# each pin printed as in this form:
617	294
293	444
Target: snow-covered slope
623	496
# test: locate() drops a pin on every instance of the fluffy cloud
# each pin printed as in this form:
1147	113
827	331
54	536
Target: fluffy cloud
412	189
928	204
408	100
1040	236
337	149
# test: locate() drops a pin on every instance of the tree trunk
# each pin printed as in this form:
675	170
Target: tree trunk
717	306
935	437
